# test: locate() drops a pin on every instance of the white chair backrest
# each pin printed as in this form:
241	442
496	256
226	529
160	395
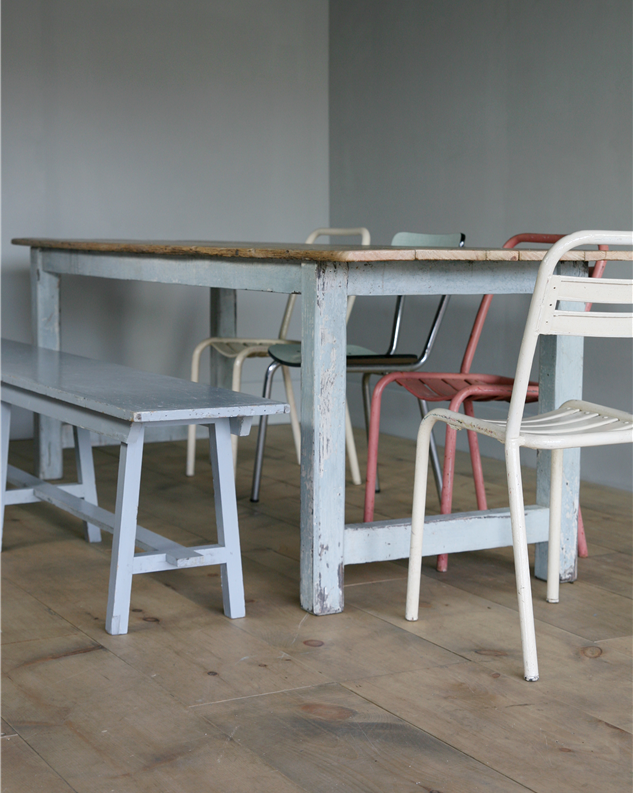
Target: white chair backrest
325	232
546	316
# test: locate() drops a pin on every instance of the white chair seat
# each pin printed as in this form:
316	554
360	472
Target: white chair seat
573	425
232	348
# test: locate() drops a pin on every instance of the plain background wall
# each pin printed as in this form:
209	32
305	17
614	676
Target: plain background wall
202	119
490	118
165	119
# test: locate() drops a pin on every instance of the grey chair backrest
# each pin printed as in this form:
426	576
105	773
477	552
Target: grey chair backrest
415	240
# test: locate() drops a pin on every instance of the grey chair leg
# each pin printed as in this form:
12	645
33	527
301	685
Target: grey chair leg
227	518
367	404
86	477
4	454
124	535
433	451
259	449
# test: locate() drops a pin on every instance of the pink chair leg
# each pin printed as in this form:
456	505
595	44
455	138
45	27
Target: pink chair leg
582	545
442	562
476	461
449	464
373	447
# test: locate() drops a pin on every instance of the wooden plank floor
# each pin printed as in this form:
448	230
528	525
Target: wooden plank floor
283	701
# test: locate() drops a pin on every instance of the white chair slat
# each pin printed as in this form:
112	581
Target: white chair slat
587	323
590	290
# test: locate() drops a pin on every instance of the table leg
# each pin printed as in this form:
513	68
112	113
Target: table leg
222	318
46	332
5	429
324	293
560	379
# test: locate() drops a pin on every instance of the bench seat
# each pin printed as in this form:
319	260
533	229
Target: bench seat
119	402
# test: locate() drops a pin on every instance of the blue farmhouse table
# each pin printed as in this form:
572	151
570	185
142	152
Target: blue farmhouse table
325	275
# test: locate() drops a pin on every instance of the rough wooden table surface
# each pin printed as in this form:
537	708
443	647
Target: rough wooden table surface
314	253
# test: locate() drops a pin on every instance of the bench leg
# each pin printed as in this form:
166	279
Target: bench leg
86	477
4	454
227	518
124	535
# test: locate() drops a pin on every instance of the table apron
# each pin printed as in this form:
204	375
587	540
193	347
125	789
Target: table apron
441	278
374	278
266	277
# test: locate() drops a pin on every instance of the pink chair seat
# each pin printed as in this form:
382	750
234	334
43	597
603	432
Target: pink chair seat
443	387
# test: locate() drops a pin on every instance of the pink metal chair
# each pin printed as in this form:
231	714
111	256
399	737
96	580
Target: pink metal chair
463	388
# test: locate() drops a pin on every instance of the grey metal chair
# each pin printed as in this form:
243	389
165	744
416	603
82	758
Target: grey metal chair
369	365
365	361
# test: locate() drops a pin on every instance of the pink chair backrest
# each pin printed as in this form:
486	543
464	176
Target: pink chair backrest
476	331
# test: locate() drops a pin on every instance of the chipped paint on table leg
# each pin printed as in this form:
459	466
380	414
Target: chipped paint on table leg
222	322
5	429
45	292
324	294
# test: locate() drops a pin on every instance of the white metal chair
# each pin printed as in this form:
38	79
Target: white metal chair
241	348
575	424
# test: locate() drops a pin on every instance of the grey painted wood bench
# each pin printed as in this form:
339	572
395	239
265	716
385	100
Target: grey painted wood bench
119	402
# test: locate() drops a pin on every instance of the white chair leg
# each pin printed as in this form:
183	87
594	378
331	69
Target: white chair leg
86	477
418	518
5	428
290	398
236	384
522	569
190	463
124	535
352	450
554	531
227	518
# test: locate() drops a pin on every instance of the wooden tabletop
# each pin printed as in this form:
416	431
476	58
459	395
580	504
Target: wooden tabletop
302	252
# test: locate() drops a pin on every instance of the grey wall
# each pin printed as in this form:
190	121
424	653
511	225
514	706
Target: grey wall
211	118
490	118
168	119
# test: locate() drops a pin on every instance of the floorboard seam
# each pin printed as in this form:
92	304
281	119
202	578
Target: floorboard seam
252	696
